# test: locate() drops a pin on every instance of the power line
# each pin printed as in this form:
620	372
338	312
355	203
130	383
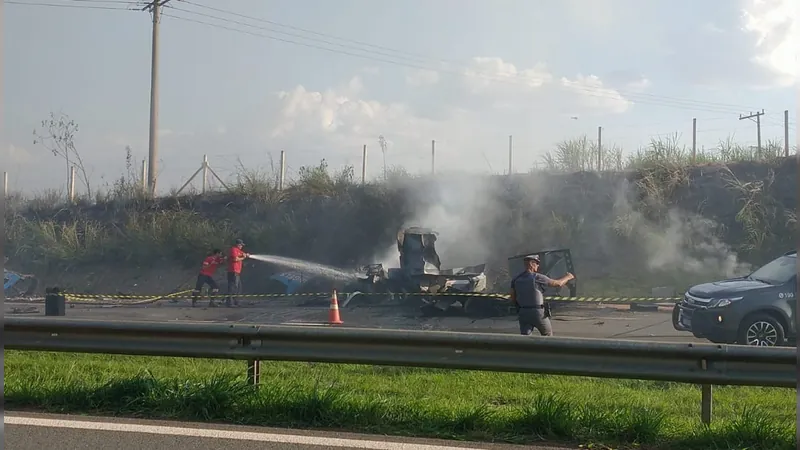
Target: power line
668	122
65	5
757	115
731	107
601	92
316	33
102	1
272	30
594	92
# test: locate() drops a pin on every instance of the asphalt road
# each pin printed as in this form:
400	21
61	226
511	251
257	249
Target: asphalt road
578	320
27	431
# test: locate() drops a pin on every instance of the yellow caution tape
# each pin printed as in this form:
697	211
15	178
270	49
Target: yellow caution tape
181	295
92	298
617	299
144	299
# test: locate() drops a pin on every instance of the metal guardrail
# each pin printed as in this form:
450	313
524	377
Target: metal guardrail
704	364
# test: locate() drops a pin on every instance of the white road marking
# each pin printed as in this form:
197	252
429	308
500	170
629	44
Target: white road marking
223	434
306	324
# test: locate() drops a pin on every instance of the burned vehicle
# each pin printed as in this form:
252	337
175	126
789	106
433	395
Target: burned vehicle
420	279
420	283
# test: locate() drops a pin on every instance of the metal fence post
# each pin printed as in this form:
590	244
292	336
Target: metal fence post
253	367
706	404
706	396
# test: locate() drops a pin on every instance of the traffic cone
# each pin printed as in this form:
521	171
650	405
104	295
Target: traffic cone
333	312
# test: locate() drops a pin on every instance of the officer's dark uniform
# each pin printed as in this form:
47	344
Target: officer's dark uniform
529	288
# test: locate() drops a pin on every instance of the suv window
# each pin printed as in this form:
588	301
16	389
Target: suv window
778	271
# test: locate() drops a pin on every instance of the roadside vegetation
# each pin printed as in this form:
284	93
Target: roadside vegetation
467	405
727	208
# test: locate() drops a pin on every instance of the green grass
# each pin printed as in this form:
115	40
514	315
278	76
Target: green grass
403	401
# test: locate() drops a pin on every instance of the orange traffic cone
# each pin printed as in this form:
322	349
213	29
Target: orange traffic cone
333	312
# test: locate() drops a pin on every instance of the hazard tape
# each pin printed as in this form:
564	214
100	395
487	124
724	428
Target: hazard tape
142	299
617	299
91	298
182	295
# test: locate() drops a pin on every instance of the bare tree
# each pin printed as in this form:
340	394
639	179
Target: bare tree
57	134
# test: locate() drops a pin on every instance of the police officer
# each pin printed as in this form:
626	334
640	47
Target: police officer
527	294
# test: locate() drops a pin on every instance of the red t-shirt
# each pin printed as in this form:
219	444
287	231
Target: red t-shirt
233	265
210	265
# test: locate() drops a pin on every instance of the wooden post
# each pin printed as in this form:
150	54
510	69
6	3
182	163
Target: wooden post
71	192
694	140
364	165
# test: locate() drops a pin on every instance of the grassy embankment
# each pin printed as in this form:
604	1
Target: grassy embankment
329	218
401	401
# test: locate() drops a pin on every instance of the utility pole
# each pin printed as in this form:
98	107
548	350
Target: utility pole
205	174
757	116
786	133
510	151
433	157
694	140
599	148
364	166
155	8
144	177
282	173
384	145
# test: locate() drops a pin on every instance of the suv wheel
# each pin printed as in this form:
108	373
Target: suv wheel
761	330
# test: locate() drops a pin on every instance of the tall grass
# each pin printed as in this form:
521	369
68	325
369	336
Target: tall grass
670	152
580	154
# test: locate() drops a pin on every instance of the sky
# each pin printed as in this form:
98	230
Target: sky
242	80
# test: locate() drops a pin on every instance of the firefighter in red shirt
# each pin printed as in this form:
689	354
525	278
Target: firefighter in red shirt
235	257
206	276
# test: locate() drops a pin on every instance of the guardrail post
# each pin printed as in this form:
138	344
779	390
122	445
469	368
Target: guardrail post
706	396
253	367
54	303
706	404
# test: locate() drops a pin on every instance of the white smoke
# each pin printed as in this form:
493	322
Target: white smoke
686	243
480	220
456	209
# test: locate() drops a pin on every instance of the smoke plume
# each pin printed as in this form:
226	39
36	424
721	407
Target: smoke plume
488	219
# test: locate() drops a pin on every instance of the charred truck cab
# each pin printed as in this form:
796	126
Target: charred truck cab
421	276
758	309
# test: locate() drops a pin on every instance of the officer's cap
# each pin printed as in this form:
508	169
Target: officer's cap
532	258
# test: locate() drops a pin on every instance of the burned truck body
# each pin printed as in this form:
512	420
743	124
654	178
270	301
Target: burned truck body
420	277
421	282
